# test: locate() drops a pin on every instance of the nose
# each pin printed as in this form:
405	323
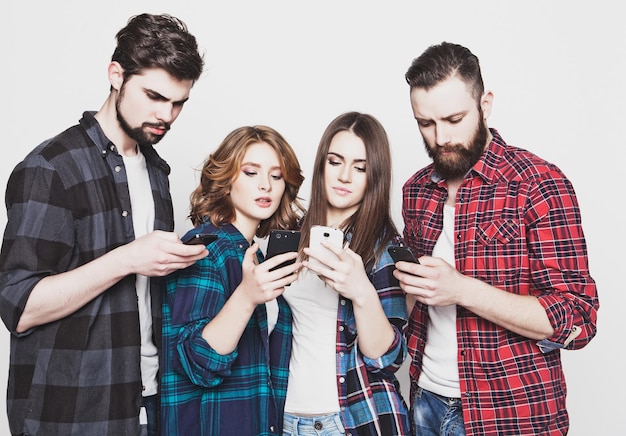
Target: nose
345	175
165	112
264	184
442	135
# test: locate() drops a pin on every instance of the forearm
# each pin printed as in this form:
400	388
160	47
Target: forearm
60	295
521	314
374	330
224	331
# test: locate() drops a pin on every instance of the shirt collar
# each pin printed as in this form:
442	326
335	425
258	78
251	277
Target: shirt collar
104	144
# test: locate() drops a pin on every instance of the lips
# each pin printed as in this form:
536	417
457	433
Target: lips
263	201
341	191
159	131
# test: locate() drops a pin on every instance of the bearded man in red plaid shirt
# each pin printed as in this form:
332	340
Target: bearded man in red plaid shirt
503	282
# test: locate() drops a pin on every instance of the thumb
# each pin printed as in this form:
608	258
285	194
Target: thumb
250	254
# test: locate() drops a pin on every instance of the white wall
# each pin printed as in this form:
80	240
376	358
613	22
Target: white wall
556	68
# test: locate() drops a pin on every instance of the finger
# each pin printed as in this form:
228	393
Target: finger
279	259
331	248
250	254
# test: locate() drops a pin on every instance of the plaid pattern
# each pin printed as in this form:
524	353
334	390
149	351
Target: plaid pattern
67	204
205	393
518	228
369	393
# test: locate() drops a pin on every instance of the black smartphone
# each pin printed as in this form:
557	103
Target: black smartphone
201	238
282	241
398	254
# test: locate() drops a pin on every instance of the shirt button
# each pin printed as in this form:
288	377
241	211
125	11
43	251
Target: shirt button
343	302
124	213
341	354
272	428
342	379
340	328
118	169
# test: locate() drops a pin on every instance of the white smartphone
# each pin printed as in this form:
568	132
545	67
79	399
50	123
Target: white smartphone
331	235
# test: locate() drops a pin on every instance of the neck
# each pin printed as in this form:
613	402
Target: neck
337	217
247	228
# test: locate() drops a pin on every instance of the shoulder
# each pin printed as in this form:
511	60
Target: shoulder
517	163
420	177
229	245
385	259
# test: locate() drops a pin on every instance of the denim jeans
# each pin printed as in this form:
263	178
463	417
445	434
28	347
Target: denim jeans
323	425
151	405
435	415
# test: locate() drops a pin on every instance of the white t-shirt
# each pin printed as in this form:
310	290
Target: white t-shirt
143	222
312	387
440	372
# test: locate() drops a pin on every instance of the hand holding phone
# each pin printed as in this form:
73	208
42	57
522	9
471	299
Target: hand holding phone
404	254
201	238
282	241
330	235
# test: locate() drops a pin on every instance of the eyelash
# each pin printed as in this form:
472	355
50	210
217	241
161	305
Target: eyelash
254	173
425	124
335	163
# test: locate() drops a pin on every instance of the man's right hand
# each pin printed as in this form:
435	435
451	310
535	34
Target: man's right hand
159	253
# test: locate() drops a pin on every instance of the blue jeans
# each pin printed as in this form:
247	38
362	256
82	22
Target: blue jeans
151	404
323	425
435	415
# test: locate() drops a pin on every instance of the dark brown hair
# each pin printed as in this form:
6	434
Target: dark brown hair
440	62
158	41
371	225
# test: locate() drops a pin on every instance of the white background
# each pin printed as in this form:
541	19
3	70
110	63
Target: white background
556	68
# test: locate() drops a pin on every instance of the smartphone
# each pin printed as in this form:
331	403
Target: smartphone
282	241
331	235
201	238
399	253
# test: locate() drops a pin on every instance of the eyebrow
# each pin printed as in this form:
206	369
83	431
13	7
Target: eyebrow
256	165
446	118
162	97
343	158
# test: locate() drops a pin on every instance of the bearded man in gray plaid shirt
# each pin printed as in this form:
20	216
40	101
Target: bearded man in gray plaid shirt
88	240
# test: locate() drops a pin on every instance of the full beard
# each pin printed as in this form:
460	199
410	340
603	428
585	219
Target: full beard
458	159
140	135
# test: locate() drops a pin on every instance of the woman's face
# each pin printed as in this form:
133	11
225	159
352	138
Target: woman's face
257	190
345	179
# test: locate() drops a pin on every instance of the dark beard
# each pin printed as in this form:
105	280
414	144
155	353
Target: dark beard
463	159
138	133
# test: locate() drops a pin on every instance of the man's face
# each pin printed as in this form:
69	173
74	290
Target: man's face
452	125
149	103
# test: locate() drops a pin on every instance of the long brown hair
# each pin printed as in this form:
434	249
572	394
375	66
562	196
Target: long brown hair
211	199
371	226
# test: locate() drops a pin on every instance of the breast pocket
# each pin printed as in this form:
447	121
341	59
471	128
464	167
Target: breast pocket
497	251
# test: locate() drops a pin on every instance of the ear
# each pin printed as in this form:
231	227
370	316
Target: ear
486	101
116	75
